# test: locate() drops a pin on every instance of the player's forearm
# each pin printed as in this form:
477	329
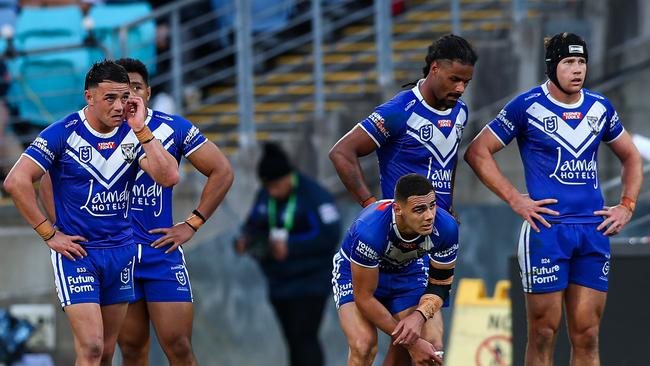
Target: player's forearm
22	192
376	313
487	170
215	189
632	176
161	165
349	170
46	196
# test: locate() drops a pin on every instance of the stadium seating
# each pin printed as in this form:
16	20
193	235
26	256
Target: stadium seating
141	40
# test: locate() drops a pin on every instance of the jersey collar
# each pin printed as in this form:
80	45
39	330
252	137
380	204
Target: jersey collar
82	115
418	94
557	102
394	225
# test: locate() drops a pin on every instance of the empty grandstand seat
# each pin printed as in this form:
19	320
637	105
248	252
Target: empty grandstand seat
267	15
49	86
61	25
141	39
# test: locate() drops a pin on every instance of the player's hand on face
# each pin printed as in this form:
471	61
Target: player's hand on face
175	236
530	210
279	249
615	219
423	353
135	112
408	329
66	245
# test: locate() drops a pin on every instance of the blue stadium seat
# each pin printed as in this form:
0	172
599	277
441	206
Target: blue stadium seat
61	25
267	15
49	86
141	40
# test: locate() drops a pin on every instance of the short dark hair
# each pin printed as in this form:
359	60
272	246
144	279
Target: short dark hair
136	66
412	185
106	70
450	47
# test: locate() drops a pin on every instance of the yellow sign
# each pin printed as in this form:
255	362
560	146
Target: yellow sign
481	328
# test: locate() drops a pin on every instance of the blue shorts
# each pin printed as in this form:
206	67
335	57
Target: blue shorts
563	254
104	277
161	277
396	291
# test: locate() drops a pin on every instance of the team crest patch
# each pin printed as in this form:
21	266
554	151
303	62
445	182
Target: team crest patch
550	124
125	275
128	151
180	277
426	132
593	125
85	154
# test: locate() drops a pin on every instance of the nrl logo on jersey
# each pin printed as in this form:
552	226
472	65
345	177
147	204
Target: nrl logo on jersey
128	152
426	132
180	277
593	125
125	275
85	154
550	124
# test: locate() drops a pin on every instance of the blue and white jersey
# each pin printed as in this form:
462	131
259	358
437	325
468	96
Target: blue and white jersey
558	144
92	174
151	204
413	137
374	241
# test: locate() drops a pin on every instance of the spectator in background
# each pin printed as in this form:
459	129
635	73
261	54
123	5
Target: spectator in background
292	230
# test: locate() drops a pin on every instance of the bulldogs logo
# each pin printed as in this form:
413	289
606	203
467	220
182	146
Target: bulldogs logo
85	154
593	125
128	152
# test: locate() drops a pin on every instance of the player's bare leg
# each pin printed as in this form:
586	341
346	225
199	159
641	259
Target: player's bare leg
398	355
360	333
544	314
134	336
172	322
433	330
112	318
88	331
584	309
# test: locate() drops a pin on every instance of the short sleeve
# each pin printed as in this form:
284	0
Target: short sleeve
385	123
446	252
508	123
614	128
365	249
47	147
190	137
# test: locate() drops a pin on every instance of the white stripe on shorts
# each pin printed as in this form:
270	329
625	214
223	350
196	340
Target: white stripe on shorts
523	255
66	295
57	281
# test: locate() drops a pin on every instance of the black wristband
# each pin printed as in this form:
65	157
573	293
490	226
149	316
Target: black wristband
198	214
421	313
190	225
51	236
148	141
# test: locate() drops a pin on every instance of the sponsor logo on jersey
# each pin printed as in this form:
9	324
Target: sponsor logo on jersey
378	121
85	154
593	125
613	121
545	275
191	134
449	252
505	121
41	144
531	96
108	145
128	152
147	195
365	251
571	115
441	179
163	117
426	132
444	123
106	203
71	123
409	105
550	124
